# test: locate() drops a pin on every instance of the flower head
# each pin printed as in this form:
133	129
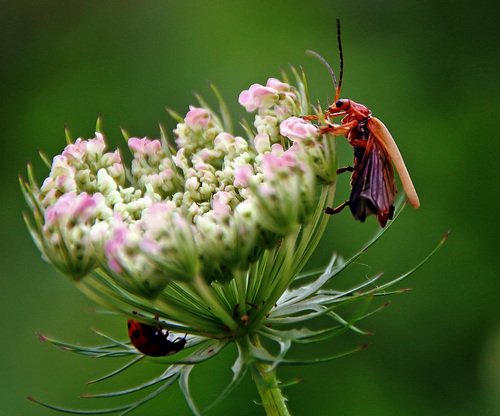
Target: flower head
153	166
273	103
206	238
67	231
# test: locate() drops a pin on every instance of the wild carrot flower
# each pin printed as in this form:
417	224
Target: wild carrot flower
206	239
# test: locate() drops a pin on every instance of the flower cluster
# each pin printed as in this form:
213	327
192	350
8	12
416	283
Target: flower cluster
208	207
273	103
206	236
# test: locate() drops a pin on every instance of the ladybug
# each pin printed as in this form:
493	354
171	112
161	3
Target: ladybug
153	340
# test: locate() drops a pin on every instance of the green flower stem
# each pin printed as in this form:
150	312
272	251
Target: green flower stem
273	400
294	253
313	232
240	282
209	295
282	273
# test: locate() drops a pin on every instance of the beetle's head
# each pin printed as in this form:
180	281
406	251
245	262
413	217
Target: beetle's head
349	107
342	104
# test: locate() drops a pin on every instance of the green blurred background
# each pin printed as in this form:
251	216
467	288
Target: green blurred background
428	69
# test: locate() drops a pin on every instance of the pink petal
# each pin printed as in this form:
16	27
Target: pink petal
242	175
197	117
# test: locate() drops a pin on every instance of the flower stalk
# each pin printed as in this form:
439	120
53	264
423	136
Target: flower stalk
266	381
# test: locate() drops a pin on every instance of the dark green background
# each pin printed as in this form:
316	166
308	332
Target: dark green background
428	69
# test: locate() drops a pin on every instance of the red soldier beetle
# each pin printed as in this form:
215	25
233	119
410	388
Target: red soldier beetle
373	187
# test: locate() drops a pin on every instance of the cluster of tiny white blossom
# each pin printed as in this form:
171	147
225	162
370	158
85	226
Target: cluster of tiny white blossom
207	206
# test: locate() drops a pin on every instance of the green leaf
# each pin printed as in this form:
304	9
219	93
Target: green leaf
171	375
184	385
67	135
117	371
125	134
203	103
78	411
93	351
224	110
293	362
98	125
45	159
175	115
381	289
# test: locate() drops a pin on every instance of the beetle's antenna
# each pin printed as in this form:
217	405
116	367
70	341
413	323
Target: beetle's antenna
341	56
326	64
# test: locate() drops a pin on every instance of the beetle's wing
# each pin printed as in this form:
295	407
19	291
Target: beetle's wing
382	135
373	185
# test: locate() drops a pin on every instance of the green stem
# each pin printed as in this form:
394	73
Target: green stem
313	232
273	400
205	291
241	288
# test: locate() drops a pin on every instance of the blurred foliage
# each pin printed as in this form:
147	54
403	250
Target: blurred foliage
428	69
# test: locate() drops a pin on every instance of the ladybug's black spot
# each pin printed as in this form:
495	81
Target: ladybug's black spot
136	334
128	324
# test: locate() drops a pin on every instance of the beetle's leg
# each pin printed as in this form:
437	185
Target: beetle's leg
332	211
328	114
345	169
339	129
331	114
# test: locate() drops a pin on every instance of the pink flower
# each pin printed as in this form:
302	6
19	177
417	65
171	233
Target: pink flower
257	97
224	141
285	90
62	176
72	207
157	216
295	128
149	246
179	221
208	154
197	117
113	247
278	160
77	150
242	175
220	203
96	145
144	146
116	169
277	84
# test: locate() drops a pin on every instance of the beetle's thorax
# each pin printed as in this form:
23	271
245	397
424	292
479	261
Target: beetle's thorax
356	111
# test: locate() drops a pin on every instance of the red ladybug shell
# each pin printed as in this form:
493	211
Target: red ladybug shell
153	340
